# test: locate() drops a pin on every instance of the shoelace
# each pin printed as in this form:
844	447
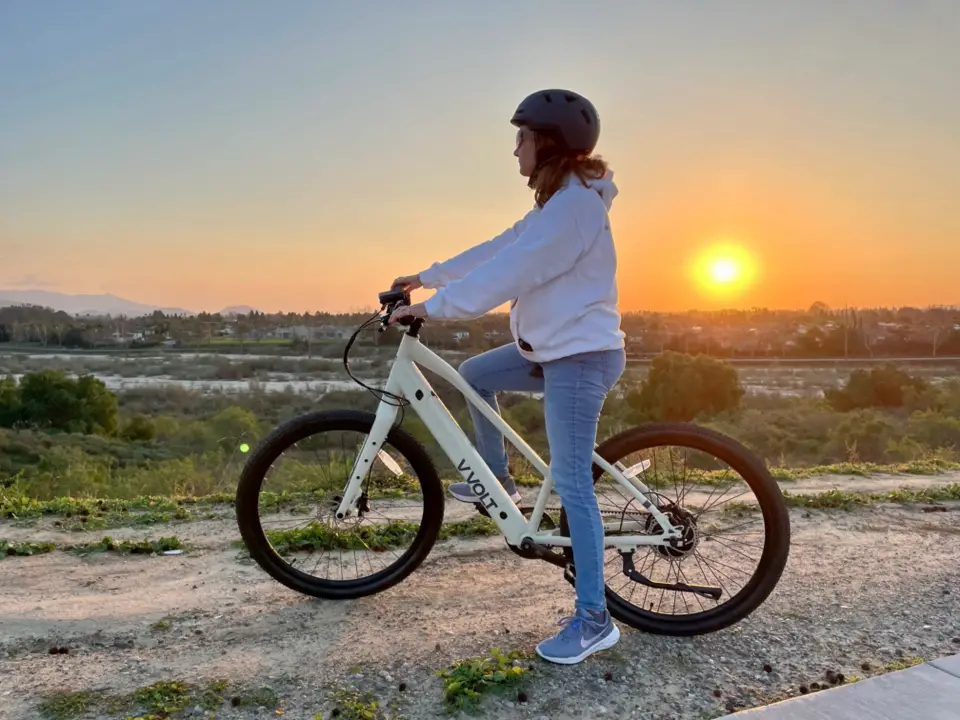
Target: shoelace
575	622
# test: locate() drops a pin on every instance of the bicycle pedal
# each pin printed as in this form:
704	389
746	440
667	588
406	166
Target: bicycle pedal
570	573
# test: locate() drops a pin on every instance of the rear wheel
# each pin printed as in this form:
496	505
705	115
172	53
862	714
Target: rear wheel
292	483
736	528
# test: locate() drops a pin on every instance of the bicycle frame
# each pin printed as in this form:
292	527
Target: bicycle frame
407	381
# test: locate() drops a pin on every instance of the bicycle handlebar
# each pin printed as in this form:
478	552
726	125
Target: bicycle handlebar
397	296
391	300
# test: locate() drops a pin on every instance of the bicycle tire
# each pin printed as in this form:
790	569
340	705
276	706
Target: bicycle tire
772	505
263	553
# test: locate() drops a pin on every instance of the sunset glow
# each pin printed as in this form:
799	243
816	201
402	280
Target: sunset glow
724	269
304	159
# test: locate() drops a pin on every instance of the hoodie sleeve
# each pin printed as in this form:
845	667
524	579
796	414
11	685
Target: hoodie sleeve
545	250
440	274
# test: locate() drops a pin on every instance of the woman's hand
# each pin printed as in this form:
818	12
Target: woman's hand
412	311
409	283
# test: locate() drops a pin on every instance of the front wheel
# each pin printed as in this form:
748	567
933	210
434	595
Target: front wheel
736	528
292	484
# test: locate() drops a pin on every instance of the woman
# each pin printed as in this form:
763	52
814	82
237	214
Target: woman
557	266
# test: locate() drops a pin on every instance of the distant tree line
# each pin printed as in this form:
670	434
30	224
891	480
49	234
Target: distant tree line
817	332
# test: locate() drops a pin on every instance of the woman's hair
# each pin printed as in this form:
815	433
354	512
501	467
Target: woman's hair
553	170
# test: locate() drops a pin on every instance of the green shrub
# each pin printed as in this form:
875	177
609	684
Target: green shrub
681	387
880	387
139	428
53	400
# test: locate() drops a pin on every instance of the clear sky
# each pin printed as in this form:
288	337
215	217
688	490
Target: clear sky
299	155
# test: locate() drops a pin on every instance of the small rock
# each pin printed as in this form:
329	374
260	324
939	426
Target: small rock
402	687
767	667
804	689
814	685
865	666
956	641
717	693
521	697
608	676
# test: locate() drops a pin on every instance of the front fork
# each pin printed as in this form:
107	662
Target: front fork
372	447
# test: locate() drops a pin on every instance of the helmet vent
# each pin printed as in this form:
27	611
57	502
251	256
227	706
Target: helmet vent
569	98
586	116
546	96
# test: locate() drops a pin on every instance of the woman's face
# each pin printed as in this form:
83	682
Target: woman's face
526	151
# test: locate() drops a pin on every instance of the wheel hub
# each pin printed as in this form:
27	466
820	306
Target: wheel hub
678	548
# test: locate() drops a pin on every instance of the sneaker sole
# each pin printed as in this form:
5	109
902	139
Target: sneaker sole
608	642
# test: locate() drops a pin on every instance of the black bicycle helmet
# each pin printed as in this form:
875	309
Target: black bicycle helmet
570	117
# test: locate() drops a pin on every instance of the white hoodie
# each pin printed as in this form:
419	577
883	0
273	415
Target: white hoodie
557	264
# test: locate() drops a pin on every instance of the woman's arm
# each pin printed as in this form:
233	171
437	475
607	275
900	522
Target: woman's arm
440	274
544	251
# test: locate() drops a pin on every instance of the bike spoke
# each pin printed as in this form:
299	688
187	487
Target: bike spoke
700	489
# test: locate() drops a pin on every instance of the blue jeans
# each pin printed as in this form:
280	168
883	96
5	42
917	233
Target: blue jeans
574	391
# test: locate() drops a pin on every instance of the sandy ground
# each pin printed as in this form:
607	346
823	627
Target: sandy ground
871	584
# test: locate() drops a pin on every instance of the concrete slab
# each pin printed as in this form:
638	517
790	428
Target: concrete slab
925	691
948	664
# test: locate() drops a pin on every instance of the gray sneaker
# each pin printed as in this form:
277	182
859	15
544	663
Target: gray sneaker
583	634
463	492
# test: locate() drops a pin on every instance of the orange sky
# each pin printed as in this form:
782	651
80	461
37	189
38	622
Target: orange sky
301	162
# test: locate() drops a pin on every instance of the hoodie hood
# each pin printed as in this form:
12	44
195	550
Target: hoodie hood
606	187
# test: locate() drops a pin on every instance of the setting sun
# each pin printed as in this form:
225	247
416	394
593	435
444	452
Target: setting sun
723	268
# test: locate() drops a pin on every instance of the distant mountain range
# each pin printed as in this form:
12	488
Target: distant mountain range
237	310
97	304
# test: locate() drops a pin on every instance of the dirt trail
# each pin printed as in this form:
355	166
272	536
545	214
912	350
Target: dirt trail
859	585
871	484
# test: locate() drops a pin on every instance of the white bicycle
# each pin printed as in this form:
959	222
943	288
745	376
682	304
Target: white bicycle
366	513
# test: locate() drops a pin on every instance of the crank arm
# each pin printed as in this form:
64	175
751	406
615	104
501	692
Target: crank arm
631	572
542	552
